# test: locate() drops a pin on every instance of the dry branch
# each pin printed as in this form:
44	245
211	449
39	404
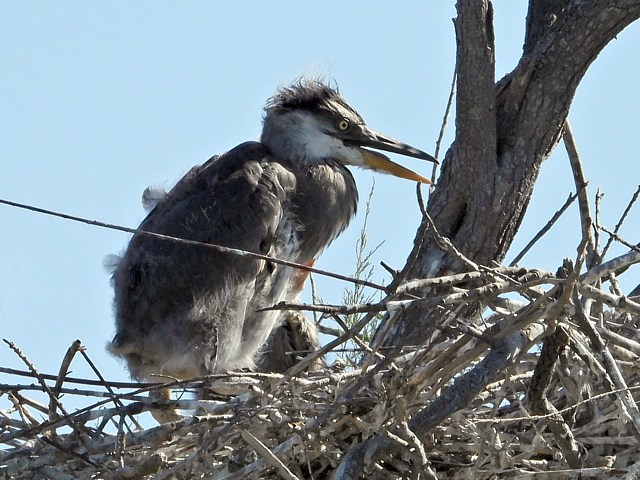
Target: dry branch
459	401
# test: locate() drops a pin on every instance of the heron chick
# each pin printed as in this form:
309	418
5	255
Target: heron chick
184	311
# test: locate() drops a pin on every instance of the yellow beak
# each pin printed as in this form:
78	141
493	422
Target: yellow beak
380	162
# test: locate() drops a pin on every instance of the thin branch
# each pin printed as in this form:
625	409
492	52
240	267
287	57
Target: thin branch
452	399
613	265
305	362
52	396
446	245
64	368
418	243
543	231
80	381
260	464
355	338
627	402
445	118
545	368
623	217
619	302
618	238
54	399
106	385
329	309
581	189
598	216
268	455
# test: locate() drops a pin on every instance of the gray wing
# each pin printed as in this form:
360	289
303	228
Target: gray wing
180	309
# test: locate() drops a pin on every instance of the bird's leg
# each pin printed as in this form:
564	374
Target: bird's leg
295	336
163	414
303	332
298	280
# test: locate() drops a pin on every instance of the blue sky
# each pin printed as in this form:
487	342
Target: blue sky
100	100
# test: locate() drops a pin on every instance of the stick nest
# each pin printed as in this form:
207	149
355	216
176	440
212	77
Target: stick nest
543	380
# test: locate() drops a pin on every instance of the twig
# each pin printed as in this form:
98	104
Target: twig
306	361
515	274
28	419
79	381
52	396
446	245
260	463
620	341
452	399
268	455
613	265
411	437
540	382
618	301
630	409
543	231
581	189
618	238
598	216
569	409
414	255
106	385
329	309
355	338
447	113
30	402
64	369
623	217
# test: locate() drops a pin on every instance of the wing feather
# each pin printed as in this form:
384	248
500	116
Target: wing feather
181	309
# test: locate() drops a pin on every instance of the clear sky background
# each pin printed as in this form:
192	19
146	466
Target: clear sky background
100	100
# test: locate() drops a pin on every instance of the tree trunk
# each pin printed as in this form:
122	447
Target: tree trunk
504	131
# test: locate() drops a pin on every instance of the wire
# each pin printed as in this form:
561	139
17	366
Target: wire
220	248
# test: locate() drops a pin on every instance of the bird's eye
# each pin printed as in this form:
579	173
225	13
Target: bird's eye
343	125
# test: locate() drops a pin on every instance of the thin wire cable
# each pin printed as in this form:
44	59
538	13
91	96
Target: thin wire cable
220	248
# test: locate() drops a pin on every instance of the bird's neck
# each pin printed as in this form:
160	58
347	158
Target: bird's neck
324	202
325	197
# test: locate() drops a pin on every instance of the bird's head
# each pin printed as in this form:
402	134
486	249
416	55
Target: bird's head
310	122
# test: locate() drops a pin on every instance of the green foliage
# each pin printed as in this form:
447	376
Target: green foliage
359	294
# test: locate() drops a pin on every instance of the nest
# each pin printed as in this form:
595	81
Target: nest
543	383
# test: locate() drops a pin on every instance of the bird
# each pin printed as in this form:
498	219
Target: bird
182	311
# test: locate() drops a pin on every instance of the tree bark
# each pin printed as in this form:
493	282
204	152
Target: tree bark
504	131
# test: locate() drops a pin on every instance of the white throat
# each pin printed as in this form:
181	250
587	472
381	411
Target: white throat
299	135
